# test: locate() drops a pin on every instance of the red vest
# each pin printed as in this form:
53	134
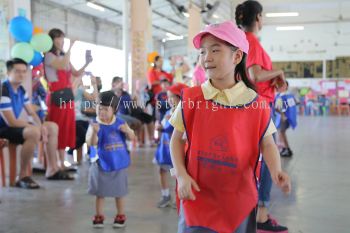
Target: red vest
223	152
63	80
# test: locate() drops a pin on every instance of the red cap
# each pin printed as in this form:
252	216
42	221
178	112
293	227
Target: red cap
177	88
37	69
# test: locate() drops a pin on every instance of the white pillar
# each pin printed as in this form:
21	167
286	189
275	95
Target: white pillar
4	38
324	69
126	14
194	26
139	30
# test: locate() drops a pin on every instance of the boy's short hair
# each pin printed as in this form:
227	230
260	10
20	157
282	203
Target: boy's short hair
117	79
108	98
11	63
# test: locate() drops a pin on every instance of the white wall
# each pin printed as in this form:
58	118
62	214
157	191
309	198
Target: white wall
315	42
76	24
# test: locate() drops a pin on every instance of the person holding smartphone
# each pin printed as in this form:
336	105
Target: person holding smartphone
60	101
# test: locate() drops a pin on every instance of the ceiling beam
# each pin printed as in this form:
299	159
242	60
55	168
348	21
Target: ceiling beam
169	19
154	11
347	20
55	5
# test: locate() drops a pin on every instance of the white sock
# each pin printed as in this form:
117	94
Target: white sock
165	192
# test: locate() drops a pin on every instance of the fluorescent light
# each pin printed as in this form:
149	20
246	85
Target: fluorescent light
282	14
95	6
186	14
215	16
171	36
290	28
168	34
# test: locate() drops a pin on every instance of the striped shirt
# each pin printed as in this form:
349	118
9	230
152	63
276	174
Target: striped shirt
12	100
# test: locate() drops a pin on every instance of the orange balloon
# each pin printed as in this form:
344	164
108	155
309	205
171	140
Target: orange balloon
151	56
37	30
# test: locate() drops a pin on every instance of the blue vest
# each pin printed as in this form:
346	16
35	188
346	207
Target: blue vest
111	147
162	154
289	108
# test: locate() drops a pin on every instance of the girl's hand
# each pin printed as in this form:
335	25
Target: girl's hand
93	80
124	128
128	131
280	81
158	126
184	188
95	126
282	180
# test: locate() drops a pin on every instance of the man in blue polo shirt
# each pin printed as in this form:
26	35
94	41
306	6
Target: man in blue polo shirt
14	101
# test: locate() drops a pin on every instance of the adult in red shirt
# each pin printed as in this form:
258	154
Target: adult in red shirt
156	74
267	80
60	101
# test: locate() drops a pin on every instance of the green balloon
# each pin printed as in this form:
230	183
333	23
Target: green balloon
41	42
23	51
304	91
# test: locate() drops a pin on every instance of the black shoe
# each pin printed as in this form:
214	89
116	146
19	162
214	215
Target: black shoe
27	183
40	170
286	152
271	226
61	175
71	168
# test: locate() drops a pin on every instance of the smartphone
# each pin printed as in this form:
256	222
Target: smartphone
88	56
88	53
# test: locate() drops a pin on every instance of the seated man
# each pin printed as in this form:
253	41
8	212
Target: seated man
13	100
130	112
125	104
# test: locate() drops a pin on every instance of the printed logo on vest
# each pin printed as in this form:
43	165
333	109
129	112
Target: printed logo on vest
219	143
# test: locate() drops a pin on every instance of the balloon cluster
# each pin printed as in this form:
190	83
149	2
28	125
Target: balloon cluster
31	41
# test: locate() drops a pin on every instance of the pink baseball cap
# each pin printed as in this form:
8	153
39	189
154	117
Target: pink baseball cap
226	31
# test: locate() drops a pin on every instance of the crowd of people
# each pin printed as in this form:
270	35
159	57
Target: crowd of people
216	172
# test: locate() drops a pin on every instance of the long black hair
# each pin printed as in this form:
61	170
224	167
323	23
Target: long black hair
241	73
241	70
55	33
247	13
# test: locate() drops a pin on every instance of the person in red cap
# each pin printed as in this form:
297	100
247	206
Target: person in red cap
267	80
227	125
38	91
162	155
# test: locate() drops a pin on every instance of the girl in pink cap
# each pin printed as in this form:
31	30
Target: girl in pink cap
226	125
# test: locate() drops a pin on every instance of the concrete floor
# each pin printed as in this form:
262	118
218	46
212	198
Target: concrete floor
319	202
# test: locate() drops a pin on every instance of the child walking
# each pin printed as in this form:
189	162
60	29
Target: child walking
108	175
227	125
162	155
286	116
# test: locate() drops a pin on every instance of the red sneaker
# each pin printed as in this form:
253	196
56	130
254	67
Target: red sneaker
119	221
97	221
